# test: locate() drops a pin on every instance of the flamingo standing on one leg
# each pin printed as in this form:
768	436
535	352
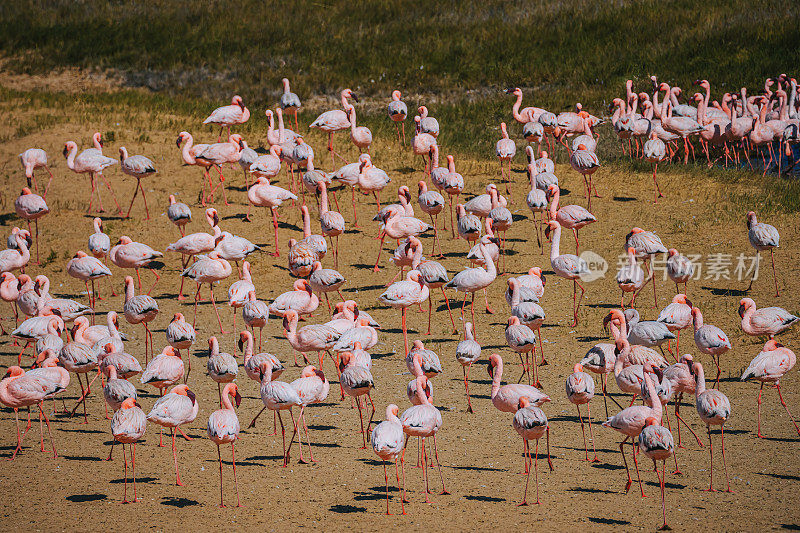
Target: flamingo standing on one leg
505	149
223	428
86	269
679	268
335	120
127	427
179	214
31	159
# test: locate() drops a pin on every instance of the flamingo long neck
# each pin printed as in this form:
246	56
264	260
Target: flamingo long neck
655	402
417	259
128	291
497	378
554	252
421	396
700	381
226	397
214	346
345	103
267	376
112	328
701	112
246	272
673	95
281	129
323	199
708	94
435	163
271	128
306	225
44	288
352	118
515	295
554	203
656	105
666	103
490	268
698	320
515	109
96	141
112	373
468	332
71	157
186	151
248	349
451	164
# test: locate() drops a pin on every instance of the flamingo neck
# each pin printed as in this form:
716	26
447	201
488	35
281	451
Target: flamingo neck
248	349
497	378
71	157
112	373
323	201
655	402
186	151
515	109
700	381
226	400
554	246
554	203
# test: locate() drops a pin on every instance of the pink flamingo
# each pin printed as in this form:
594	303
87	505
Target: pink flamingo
423	145
428	124
176	408
228	115
223	428
481	205
371	179
255	314
530	422
601	359
331	222
682	381
290	101
19	390
140	309
654	152
630	278
80	359
266	165
679	268
769	366
709	339
31	207
534	280
682	126
361	136
129	254
586	163
572	217
31	159
521	339
398	226
714	408
218	154
502	219
434	276
67	309
453	184
91	161
349	175
221	366
301	299
310	338
9	292
179	214
766	320
566	266
468	351
631	421
99	245
530	313
197	243
403	294
262	194
86	269
312	387
506	398
528	114
398	111
357	381
164	370
388	443
580	391
472	280
127	427
432	203
278	396
424	420
677	316
139	167
763	237
335	120
325	280
655	441
646	244
208	269
189	154
239	290
505	149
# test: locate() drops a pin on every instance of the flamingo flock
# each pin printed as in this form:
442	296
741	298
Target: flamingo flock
643	356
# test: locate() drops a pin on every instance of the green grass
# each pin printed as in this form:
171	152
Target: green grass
563	51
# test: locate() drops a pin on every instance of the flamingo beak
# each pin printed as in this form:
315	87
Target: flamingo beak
191	396
65	152
237	398
510	91
741	311
177	142
353	96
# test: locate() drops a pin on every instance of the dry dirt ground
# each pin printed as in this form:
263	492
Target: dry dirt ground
480	452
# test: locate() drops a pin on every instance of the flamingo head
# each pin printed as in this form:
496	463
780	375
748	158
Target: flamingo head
233	390
551	226
751	219
744	305
396	95
184	390
524	402
98	139
347	93
494	360
237	100
516	91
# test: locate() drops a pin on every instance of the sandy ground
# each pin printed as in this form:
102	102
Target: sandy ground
480	452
